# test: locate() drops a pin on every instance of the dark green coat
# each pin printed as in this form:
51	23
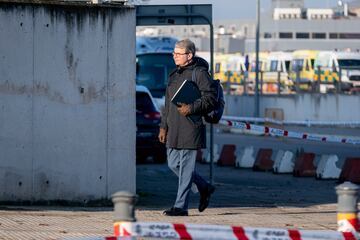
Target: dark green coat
181	132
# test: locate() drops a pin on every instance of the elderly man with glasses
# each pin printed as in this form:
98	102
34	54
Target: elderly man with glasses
183	137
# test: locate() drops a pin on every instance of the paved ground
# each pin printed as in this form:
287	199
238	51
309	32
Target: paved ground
242	197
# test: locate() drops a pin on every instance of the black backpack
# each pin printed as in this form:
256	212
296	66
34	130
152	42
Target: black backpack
215	115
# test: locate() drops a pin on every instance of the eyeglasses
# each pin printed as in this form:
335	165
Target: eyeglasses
179	54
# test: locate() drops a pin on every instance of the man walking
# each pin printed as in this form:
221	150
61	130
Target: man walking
182	136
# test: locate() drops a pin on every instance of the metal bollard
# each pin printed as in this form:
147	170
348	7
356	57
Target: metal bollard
124	206
347	207
124	211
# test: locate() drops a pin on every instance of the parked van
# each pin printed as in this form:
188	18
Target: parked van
263	56
328	65
221	62
302	68
278	68
237	70
230	69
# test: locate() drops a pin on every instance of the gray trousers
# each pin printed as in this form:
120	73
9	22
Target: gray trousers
182	163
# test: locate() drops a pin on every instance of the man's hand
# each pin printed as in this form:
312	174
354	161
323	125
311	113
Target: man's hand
184	109
162	135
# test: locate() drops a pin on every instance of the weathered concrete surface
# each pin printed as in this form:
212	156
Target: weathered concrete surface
67	101
300	107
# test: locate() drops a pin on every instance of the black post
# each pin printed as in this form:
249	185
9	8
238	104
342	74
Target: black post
261	81
317	84
297	82
257	67
338	86
245	76
228	84
279	82
211	126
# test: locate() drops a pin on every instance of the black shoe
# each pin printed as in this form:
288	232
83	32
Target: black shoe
205	197
175	212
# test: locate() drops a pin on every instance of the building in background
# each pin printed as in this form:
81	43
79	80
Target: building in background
287	26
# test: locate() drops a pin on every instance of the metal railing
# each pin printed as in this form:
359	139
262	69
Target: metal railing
343	80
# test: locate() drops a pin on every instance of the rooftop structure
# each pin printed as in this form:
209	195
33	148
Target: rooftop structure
287	4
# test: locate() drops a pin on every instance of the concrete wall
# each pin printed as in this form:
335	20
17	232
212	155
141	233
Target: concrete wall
318	107
67	101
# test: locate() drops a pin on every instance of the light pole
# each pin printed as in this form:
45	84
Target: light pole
211	125
257	103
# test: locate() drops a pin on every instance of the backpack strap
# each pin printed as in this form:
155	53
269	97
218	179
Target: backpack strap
193	76
218	84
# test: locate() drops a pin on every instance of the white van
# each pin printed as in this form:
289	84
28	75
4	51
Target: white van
331	63
278	63
236	64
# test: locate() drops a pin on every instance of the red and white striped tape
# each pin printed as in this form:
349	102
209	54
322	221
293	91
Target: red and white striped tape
215	232
284	133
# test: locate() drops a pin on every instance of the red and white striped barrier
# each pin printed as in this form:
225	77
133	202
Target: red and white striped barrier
284	133
216	232
305	123
100	238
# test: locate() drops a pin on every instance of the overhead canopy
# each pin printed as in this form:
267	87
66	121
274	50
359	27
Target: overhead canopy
195	14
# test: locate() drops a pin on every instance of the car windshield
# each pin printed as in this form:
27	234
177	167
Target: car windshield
152	71
144	102
253	66
273	66
297	64
287	65
349	62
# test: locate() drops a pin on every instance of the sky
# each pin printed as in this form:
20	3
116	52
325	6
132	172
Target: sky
241	9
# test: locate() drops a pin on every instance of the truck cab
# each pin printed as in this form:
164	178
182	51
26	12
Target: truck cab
333	68
154	62
152	71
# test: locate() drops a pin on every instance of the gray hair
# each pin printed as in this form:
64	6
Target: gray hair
186	44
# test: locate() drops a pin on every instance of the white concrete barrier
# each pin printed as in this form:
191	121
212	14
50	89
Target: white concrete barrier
327	168
284	162
246	158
